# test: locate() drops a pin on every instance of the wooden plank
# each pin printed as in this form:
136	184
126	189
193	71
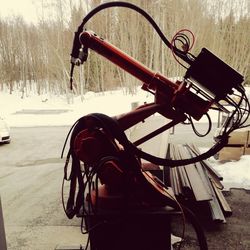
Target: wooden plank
203	172
174	183
222	200
185	184
238	138
230	153
184	178
212	173
214	203
205	163
203	175
215	180
185	190
215	208
173	173
246	148
181	181
197	185
171	180
247	151
199	179
177	182
216	212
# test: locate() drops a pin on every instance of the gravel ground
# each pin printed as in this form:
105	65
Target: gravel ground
232	235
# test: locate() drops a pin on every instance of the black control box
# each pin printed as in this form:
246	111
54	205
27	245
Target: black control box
215	76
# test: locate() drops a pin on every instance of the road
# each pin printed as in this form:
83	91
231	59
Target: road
31	172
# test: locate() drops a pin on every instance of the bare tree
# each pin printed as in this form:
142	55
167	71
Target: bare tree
36	56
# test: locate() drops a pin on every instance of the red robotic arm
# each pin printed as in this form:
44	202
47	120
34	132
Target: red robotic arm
173	99
99	142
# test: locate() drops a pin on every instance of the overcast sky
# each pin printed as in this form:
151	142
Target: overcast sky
26	8
29	8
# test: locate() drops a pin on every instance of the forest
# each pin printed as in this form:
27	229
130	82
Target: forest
36	56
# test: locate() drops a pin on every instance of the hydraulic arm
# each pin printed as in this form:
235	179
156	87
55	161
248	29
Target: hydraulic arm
176	97
99	148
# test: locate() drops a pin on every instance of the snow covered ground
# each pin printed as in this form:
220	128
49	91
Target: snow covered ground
46	110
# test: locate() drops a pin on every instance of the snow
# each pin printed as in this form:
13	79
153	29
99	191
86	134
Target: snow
37	110
49	110
236	174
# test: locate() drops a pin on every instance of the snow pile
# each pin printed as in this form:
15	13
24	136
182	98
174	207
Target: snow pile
236	174
41	110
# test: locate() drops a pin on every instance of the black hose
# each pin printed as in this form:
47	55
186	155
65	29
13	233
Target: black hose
197	227
76	42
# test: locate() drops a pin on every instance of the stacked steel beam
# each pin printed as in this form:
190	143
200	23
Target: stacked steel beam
198	185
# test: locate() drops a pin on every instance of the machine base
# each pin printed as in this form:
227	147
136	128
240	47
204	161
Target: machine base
143	229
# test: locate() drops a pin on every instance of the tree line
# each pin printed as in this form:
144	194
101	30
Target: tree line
36	57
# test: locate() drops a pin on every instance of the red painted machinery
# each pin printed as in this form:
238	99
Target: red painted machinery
113	185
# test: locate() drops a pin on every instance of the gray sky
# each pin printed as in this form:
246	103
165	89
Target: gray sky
17	7
30	10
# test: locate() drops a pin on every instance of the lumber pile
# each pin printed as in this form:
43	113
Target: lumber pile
198	186
238	145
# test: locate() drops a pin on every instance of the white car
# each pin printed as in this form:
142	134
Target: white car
4	132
